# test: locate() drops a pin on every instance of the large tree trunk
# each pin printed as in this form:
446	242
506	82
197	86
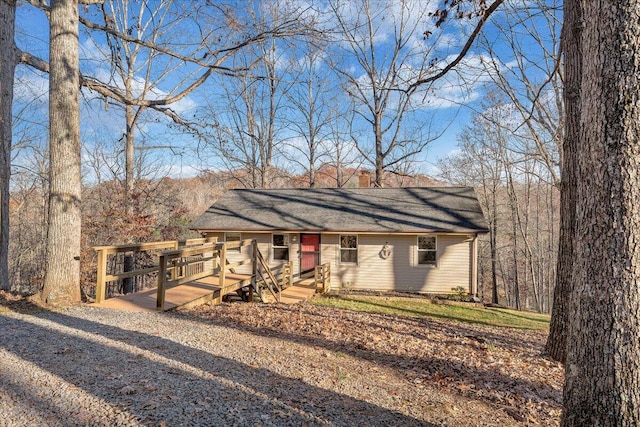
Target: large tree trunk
62	274
7	68
603	353
556	346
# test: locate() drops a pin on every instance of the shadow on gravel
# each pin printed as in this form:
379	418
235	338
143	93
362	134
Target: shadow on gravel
54	414
186	387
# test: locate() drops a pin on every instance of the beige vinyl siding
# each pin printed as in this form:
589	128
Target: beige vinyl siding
219	236
330	252
400	271
264	246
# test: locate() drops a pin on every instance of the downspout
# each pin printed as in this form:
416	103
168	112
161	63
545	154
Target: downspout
474	267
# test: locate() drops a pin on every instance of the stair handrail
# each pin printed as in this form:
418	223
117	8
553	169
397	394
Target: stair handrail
269	274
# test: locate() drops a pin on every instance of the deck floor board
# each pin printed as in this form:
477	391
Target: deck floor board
182	295
175	297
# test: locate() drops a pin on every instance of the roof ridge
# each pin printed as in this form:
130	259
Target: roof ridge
349	189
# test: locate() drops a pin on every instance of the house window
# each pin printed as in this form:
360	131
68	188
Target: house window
280	245
233	237
427	250
349	248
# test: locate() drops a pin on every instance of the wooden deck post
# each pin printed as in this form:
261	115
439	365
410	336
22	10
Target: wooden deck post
317	276
223	264
254	268
162	278
290	273
101	284
327	278
174	271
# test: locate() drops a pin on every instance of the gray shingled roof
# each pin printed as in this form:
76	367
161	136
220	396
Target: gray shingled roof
385	210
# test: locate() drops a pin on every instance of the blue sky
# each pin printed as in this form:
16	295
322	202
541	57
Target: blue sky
448	110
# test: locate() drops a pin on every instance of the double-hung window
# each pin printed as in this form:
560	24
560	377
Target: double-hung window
427	250
349	249
280	247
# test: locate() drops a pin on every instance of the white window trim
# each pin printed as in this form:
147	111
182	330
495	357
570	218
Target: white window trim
340	249
288	246
418	250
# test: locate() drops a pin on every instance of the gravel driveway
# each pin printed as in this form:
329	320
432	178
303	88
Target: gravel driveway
89	366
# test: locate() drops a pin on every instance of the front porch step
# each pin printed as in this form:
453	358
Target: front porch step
301	291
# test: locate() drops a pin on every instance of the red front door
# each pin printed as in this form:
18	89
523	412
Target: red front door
309	252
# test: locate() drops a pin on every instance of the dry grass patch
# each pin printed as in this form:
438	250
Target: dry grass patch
425	307
10	301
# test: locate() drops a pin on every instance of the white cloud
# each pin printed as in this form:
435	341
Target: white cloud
147	90
462	85
90	51
180	171
30	85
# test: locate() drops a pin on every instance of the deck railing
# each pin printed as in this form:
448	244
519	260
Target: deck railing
322	277
102	275
215	254
286	275
180	262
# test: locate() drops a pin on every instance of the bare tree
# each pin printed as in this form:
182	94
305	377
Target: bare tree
134	67
29	195
478	164
29	188
248	120
211	61
310	111
62	274
166	55
374	83
8	61
245	131
153	58
518	196
527	71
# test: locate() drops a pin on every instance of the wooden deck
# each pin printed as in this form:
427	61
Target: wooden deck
197	271
202	291
183	296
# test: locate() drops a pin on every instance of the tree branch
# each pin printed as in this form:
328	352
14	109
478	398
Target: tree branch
485	16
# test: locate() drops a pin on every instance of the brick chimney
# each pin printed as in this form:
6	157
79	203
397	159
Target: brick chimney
364	179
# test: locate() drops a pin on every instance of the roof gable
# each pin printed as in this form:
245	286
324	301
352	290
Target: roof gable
380	210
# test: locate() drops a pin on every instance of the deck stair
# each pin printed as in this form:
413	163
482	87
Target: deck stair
198	271
307	285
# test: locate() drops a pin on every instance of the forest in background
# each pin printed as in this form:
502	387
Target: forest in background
300	107
523	220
